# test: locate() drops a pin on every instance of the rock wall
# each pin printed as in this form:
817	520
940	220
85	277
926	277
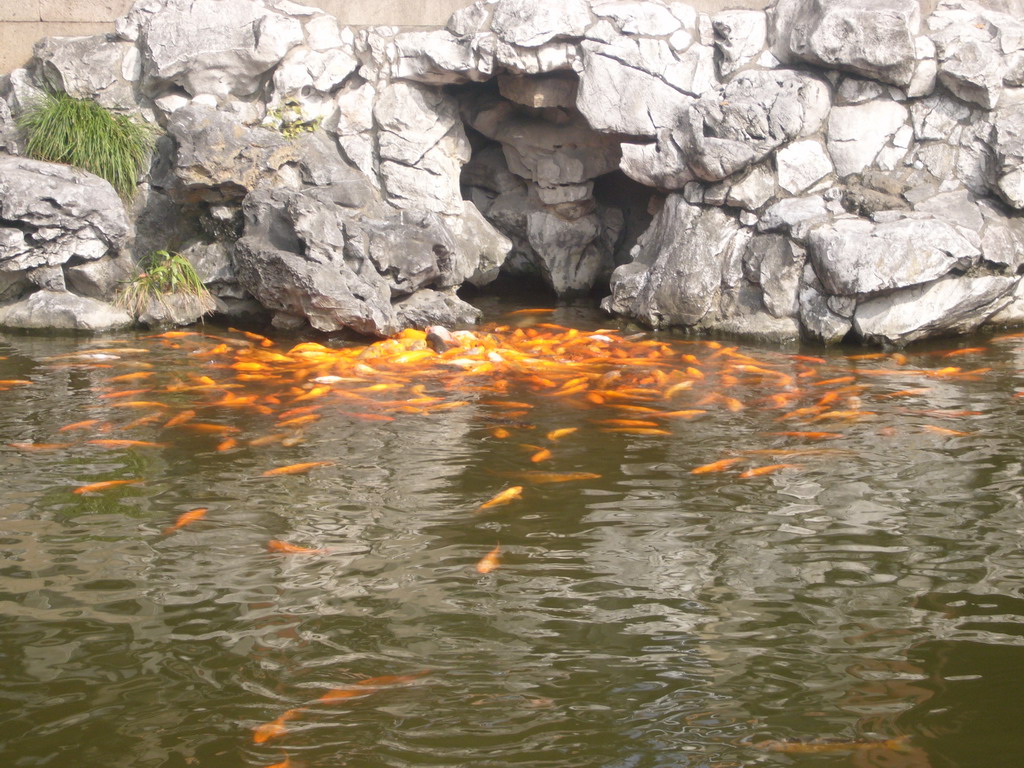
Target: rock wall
825	169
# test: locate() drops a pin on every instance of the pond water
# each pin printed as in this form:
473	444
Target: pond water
841	583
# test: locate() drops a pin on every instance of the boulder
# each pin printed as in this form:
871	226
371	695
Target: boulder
95	67
740	123
1009	154
530	23
54	214
872	38
220	47
855	256
60	310
857	133
740	37
952	305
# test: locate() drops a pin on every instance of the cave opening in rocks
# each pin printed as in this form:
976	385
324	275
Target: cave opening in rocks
550	183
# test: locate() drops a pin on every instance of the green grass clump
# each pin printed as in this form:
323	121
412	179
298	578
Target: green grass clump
84	134
161	274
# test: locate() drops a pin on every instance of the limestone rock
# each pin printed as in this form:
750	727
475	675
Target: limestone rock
175	309
557	89
530	23
651	18
1009	154
776	264
856	134
675	277
54	213
437	57
429	307
740	37
221	47
817	319
63	311
855	256
100	279
801	165
872	38
90	68
569	261
740	123
943	307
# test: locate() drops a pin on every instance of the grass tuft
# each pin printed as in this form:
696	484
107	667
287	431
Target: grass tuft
80	132
161	274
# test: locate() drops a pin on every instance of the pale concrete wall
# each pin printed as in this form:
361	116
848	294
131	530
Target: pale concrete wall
23	22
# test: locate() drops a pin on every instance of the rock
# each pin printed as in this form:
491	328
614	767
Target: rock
220	47
437	57
791	212
660	164
776	264
801	165
175	309
872	38
855	256
741	122
1009	154
567	252
651	18
1002	237
54	213
755	188
740	37
100	279
52	310
530	23
816	317
557	89
856	134
427	307
422	147
90	68
486	247
675	277
947	306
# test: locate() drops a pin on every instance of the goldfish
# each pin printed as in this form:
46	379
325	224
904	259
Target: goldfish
103	485
275	728
830	382
715	466
79	425
500	433
39	446
295	469
286	763
540	477
944	431
490	561
185	518
766	470
555	434
276	545
133	376
369	685
226	445
964	351
542	455
515	492
808	435
126	443
811	747
637	430
181	418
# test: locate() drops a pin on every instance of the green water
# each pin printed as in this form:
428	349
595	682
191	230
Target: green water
647	618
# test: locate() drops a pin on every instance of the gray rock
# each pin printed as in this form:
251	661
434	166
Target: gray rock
221	47
856	134
943	307
568	252
53	213
817	319
557	89
1009	154
651	18
428	307
52	310
801	165
100	279
530	23
753	190
855	256
485	245
776	264
676	274
740	37
791	212
437	57
94	68
1002	237
872	38
175	309
740	123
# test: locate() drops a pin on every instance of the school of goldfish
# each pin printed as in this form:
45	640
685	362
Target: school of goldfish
622	384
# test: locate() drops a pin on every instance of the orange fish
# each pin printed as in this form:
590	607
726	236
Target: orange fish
964	351
490	561
638	430
181	418
103	485
500	433
124	393
540	477
275	728
226	445
811	747
209	429
368	686
515	492
295	469
542	455
276	545
808	435
286	763
184	519
126	443
133	376
944	431
766	470
557	433
715	466
830	382
39	446
79	425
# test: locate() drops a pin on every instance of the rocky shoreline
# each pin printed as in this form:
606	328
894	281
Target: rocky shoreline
828	171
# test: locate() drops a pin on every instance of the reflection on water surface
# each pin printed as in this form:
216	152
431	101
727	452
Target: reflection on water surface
839	583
